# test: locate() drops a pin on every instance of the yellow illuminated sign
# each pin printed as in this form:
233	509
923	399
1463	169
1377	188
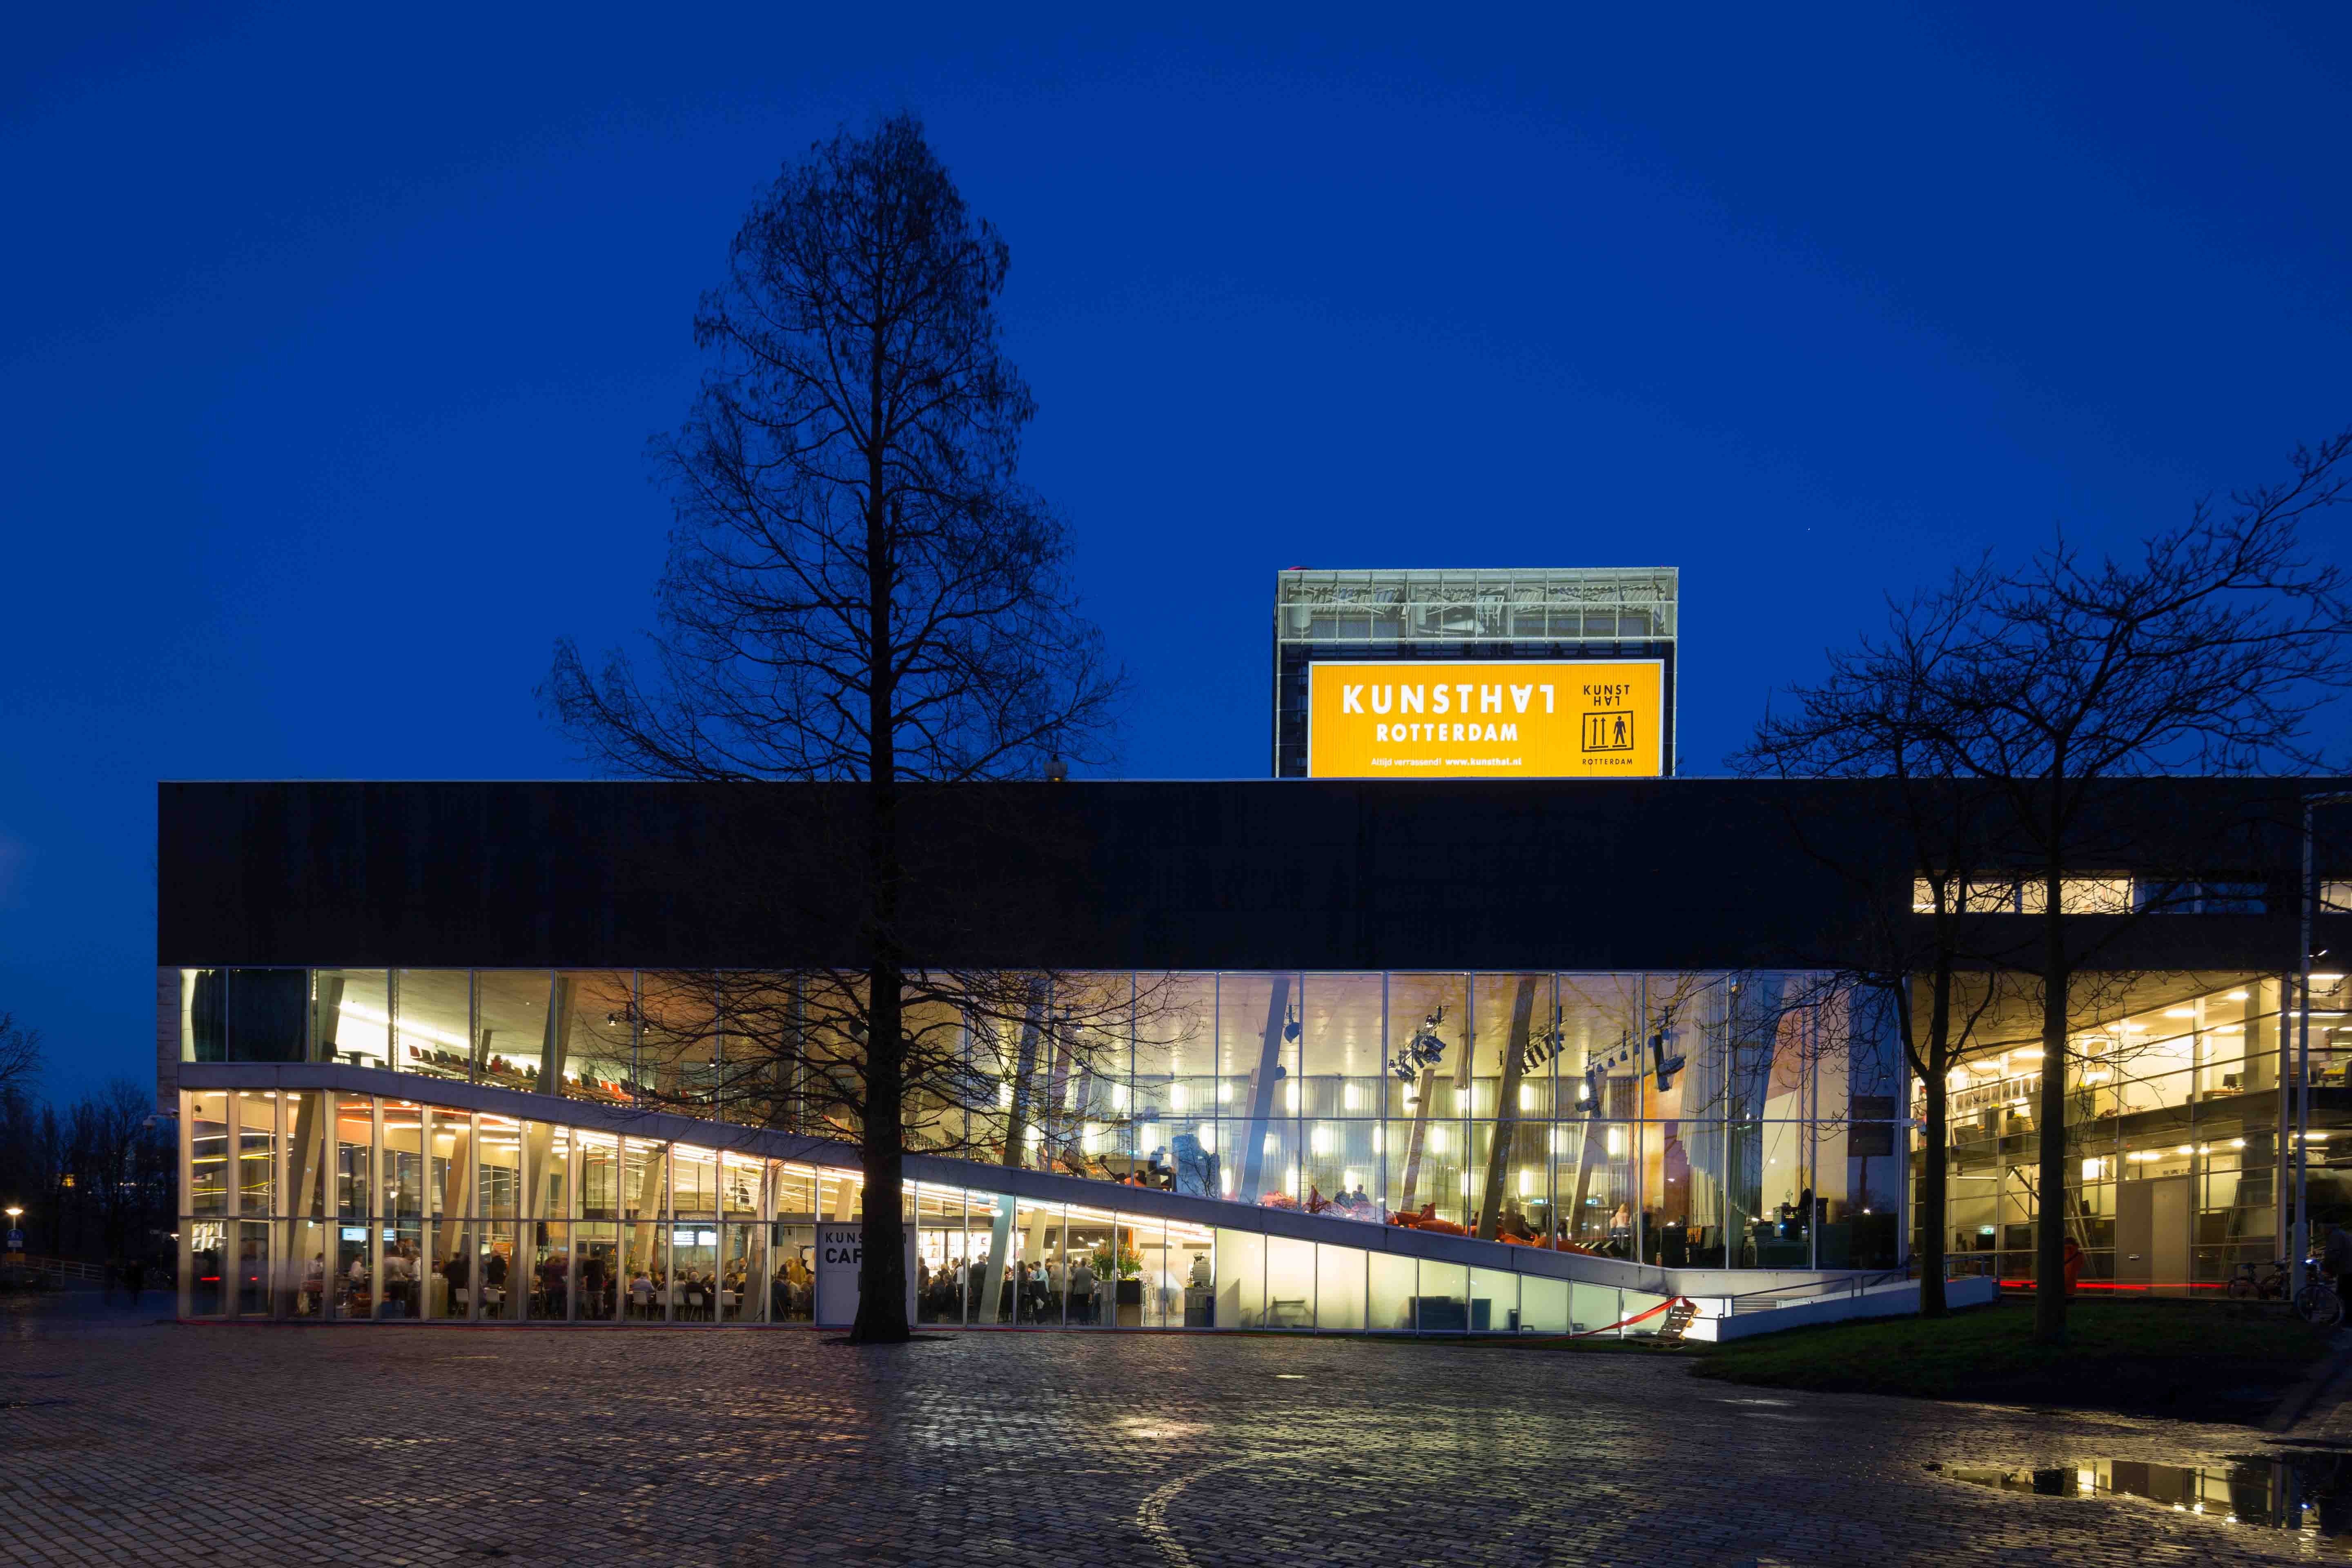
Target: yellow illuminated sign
1567	719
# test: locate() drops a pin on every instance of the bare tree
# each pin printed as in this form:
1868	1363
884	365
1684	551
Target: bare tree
995	1064
858	588
1882	712
2021	699
2205	654
120	1156
20	1056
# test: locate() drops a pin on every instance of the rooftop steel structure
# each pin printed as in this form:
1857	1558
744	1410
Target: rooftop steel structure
1501	613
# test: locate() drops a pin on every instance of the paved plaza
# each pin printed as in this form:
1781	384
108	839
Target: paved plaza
123	1439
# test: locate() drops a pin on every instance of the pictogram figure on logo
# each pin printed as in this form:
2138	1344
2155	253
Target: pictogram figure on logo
1608	732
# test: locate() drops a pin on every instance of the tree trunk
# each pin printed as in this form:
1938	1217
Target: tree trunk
882	1253
1934	1171
882	1257
2050	1215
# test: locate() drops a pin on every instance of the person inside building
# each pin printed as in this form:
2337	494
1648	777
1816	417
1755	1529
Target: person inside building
400	1272
593	1279
552	1271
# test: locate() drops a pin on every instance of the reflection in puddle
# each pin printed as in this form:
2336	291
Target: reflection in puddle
2309	1493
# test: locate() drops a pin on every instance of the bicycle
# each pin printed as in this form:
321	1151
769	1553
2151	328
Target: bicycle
2258	1282
2318	1303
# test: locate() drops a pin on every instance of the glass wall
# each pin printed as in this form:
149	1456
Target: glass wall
445	1215
1728	1121
2175	1129
1732	1121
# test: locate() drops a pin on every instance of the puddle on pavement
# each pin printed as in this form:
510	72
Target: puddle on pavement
2308	1493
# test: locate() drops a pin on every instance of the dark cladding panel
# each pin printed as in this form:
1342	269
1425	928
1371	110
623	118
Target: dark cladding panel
1256	875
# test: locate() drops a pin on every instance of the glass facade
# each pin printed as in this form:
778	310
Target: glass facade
2176	1126
1525	1107
514	1221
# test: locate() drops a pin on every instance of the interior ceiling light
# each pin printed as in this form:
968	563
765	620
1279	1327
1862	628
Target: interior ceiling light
2237	997
2181	1012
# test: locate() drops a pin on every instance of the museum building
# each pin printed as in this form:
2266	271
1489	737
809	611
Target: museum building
1380	1054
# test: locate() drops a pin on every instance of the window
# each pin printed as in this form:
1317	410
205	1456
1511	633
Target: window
1997	897
2232	898
2085	896
2105	893
2199	898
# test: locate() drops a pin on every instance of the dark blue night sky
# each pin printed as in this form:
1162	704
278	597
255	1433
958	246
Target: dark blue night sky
333	340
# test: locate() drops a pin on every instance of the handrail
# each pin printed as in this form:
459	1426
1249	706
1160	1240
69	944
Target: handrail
1852	1285
65	1268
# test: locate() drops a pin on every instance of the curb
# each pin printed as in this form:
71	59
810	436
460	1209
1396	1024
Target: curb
2297	1401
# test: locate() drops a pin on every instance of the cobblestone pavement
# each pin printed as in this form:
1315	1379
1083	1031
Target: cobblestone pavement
127	1440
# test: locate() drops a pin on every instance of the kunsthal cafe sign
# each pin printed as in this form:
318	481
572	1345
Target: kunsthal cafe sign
1564	720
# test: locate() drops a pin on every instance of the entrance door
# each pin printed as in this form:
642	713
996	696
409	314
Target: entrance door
2152	1232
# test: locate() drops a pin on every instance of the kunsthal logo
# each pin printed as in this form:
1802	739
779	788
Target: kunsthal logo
1551	719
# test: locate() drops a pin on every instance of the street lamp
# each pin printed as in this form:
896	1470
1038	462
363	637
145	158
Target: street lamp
2308	895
